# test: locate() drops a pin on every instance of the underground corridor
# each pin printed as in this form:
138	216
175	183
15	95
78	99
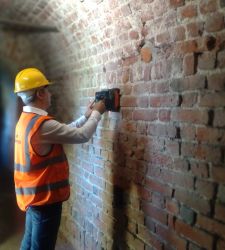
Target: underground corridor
152	175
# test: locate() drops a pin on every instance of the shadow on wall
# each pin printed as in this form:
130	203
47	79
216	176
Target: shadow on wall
10	217
128	178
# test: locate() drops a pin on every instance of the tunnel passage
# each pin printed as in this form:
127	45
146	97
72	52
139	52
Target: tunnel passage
152	177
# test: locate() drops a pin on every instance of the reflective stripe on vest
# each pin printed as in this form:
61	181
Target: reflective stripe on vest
43	188
33	167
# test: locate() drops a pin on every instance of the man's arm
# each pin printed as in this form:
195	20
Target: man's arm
54	132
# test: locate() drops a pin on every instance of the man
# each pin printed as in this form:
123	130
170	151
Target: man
41	168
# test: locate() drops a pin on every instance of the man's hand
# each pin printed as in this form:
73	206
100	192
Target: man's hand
100	106
89	109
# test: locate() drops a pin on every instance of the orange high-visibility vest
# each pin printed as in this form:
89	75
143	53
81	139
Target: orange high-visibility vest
39	180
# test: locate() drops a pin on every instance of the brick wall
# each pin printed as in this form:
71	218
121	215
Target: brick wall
153	175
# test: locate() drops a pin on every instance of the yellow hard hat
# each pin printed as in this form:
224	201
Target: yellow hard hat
30	78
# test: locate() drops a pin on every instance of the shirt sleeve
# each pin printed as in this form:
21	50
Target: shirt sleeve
54	132
79	122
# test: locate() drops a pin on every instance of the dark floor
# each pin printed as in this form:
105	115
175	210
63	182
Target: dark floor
11	218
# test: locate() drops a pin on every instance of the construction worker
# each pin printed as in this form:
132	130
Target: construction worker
41	169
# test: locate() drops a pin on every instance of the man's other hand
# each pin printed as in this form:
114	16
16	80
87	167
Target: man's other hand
100	106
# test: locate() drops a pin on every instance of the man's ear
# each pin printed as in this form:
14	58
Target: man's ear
40	93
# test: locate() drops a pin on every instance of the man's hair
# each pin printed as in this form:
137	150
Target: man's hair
27	96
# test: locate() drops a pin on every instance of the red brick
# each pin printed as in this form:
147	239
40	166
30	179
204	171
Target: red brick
216	82
154	185
189	64
163	38
218	174
220	212
199	169
196	82
195	29
155	213
172	207
186	47
221	59
159	87
134	35
207	60
145	115
140	88
170	237
192	200
165	115
176	3
207	6
190	116
199	237
209	135
146	54
172	147
205	188
188	11
178	33
180	164
209	153
211	226
214	22
212	100
189	99
162	130
150	238
219	120
164	101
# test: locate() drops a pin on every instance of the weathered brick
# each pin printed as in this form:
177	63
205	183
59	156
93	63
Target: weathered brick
188	11
155	213
164	101
189	65
195	29
220	211
214	22
218	174
199	169
219	120
205	188
189	99
209	135
207	60
170	237
196	82
220	194
146	54
199	237
192	200
172	207
212	100
145	115
187	215
158	187
190	116
221	59
207	6
178	33
216	82
211	225
176	3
